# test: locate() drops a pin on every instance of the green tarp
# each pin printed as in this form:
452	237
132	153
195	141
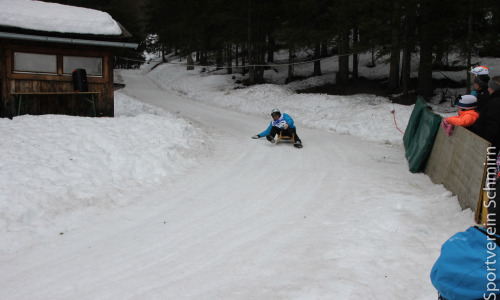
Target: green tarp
420	135
411	129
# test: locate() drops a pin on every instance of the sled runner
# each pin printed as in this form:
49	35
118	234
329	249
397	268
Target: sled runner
285	138
281	137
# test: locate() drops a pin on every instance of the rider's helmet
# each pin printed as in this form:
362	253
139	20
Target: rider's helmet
275	112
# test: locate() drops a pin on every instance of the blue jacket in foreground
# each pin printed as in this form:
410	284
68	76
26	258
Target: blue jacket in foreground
288	120
469	266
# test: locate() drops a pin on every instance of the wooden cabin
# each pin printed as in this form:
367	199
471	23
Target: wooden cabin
37	66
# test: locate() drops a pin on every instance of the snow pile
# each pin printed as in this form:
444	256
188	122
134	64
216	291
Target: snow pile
54	164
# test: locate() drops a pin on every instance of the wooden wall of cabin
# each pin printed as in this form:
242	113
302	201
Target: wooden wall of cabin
61	104
53	104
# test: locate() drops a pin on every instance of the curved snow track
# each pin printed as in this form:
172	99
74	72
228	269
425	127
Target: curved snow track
253	220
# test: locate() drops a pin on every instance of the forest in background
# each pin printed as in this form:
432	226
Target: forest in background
248	33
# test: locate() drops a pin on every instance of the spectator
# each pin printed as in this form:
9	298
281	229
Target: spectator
480	78
479	71
481	91
487	125
466	114
468	265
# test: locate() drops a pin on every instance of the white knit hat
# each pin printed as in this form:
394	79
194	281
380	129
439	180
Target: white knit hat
467	102
479	70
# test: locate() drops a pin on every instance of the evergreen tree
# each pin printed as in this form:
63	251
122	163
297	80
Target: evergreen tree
395	25
223	31
341	12
427	31
408	42
295	28
491	36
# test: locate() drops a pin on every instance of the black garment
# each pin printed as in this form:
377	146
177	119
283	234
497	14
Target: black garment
487	125
483	95
276	130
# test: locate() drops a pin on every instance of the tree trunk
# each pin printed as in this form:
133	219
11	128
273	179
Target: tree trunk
163	58
424	86
393	83
324	49
243	56
405	70
236	56
343	73
469	48
373	56
291	59
229	56
317	62
261	57
408	45
439	54
190	63
259	52
243	63
355	60
251	75
270	49
219	59
203	58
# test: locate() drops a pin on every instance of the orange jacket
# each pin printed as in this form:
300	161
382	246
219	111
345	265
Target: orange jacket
465	118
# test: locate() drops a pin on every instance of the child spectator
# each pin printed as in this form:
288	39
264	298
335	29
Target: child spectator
466	114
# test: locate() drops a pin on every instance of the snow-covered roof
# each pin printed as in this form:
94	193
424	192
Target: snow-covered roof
52	17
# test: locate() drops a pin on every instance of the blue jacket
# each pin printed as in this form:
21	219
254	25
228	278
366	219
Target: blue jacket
469	266
287	119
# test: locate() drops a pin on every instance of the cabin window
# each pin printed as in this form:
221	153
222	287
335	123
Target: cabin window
92	65
35	63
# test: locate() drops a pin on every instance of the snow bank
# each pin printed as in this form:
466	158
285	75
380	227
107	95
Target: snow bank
365	116
54	164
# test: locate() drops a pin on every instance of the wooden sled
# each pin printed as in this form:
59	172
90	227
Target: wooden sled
285	138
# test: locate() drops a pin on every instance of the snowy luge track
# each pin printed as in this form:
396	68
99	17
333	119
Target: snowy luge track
252	200
339	219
